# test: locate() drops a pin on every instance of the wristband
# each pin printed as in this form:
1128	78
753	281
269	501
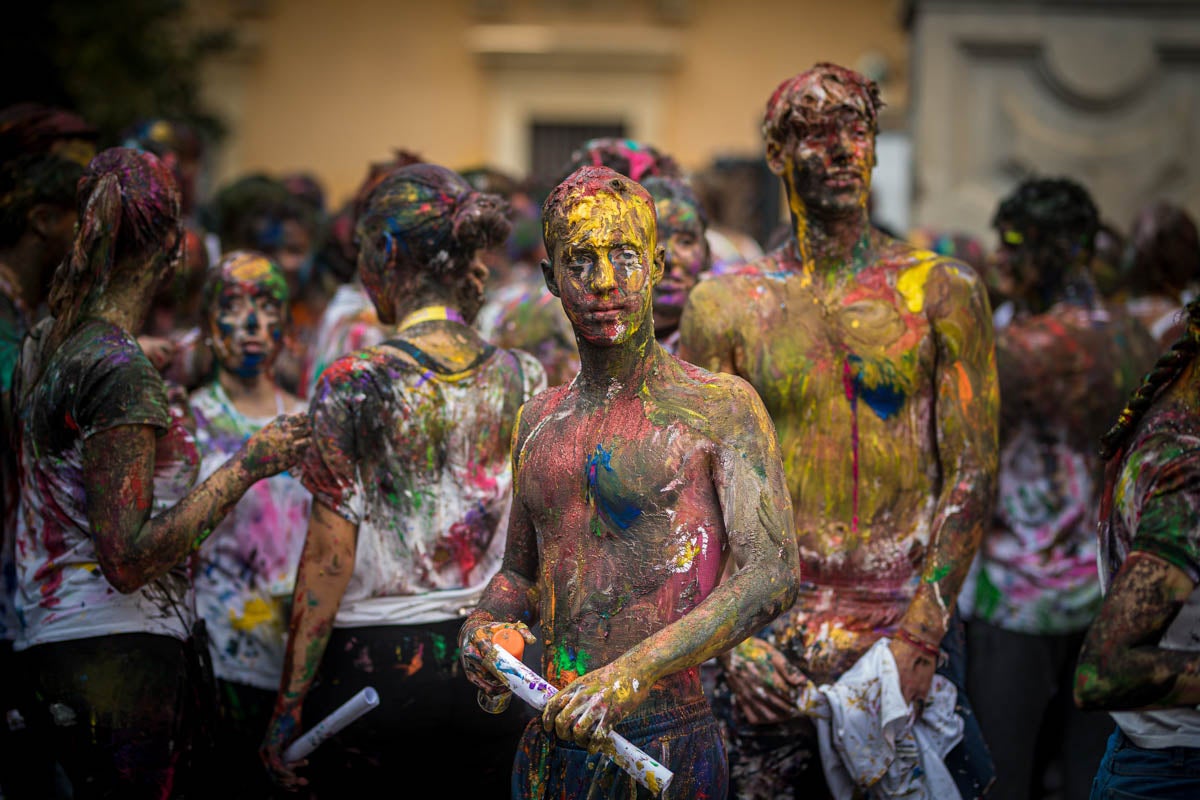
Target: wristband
922	645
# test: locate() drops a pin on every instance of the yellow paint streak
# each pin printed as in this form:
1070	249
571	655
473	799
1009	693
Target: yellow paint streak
911	284
255	613
250	269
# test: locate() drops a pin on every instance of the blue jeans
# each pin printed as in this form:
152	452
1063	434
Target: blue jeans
685	739
1129	772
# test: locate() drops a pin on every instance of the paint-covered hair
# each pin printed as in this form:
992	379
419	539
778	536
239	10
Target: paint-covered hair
433	218
636	160
1056	217
249	213
587	182
129	207
1164	372
164	137
29	128
242	266
794	97
31	180
676	190
1166	249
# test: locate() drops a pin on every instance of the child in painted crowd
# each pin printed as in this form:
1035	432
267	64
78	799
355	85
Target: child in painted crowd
244	573
109	512
410	478
1140	659
682	225
633	487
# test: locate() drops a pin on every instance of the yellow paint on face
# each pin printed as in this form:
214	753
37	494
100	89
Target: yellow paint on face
911	284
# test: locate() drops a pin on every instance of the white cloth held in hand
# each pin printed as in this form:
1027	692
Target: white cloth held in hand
870	740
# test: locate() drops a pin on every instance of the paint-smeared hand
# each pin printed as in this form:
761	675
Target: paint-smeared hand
765	684
916	670
585	711
278	445
160	351
475	652
281	732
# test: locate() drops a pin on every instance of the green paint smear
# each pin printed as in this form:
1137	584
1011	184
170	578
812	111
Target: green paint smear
939	573
578	662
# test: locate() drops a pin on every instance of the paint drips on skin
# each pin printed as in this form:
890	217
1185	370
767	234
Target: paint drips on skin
851	389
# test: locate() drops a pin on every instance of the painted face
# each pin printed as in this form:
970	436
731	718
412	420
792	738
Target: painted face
682	234
291	246
829	149
246	319
605	266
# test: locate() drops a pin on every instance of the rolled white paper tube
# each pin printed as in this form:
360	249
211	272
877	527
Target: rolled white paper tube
338	719
535	690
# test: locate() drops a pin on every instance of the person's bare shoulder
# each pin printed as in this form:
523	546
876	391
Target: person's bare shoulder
933	283
720	406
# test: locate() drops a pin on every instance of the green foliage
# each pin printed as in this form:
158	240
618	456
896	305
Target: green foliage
113	61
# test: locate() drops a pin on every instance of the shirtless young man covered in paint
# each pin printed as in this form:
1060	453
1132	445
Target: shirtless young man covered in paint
876	363
633	486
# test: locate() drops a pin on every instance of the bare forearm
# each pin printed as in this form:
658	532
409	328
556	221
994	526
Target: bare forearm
133	547
321	580
509	597
954	540
1139	678
1121	665
737	608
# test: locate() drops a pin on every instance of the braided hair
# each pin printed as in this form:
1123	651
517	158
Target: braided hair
128	206
1164	372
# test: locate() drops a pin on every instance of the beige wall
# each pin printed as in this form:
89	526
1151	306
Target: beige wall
329	85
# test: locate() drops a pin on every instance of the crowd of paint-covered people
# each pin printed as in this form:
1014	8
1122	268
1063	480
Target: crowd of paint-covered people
855	515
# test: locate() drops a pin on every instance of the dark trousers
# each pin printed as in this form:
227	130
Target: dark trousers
237	770
116	713
1022	688
428	729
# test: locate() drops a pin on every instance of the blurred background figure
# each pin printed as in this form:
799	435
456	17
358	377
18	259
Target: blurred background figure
257	212
1066	363
244	573
1164	268
682	229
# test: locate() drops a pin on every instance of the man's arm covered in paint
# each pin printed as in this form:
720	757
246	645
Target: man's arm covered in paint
967	427
1121	665
748	477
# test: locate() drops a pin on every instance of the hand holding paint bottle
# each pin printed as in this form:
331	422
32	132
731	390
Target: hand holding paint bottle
475	645
535	690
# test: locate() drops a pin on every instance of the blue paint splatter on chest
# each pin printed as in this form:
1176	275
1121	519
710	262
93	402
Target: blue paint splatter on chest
606	495
885	398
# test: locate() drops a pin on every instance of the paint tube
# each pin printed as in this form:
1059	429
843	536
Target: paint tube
338	719
535	690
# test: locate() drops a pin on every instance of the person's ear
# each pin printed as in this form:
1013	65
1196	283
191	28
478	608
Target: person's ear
43	218
658	265
775	157
548	275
